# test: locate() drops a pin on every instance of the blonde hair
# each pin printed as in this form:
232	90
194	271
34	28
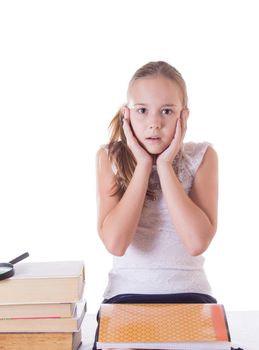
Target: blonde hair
119	153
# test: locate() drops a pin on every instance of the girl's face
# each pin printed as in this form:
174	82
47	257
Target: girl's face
155	105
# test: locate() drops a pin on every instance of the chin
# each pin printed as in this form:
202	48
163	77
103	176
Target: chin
156	149
155	152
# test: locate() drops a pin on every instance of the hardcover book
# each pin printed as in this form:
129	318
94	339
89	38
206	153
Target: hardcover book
45	324
37	310
163	326
40	341
44	282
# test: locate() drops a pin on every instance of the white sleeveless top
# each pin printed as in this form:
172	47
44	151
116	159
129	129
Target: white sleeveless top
156	261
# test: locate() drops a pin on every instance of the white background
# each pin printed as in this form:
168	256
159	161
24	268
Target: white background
64	69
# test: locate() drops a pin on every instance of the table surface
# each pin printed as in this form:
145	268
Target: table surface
243	325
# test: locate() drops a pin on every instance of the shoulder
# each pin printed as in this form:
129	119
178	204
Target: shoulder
103	161
102	155
192	149
196	154
102	152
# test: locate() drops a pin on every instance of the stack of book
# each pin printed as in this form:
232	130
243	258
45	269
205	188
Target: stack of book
163	326
42	306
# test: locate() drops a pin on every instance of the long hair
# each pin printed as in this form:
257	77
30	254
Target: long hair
119	153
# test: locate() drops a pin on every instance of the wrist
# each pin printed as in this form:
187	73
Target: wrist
163	163
145	165
164	167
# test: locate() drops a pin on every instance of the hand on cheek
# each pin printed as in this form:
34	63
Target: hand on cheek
172	150
138	151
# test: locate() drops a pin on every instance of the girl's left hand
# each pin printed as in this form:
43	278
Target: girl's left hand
169	154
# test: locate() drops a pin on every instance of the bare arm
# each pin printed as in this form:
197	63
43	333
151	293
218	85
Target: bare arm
118	218
194	216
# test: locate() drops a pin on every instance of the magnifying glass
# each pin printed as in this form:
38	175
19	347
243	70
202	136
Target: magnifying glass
7	269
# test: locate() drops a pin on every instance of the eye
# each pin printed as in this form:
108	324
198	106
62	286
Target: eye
167	111
141	110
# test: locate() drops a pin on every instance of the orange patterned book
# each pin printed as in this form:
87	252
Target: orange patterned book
163	326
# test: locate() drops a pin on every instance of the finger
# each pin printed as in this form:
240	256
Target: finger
126	126
184	117
126	112
127	131
178	131
184	126
127	122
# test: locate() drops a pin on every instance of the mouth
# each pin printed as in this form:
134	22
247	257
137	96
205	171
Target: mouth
153	138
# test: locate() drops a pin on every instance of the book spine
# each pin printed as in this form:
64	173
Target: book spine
219	320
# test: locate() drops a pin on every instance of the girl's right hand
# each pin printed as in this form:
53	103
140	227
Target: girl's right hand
140	154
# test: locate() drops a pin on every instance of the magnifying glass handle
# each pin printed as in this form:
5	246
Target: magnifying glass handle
19	258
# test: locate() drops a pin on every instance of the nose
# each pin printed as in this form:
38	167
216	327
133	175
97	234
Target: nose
154	121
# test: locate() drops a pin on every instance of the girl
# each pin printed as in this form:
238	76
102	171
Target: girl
157	196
